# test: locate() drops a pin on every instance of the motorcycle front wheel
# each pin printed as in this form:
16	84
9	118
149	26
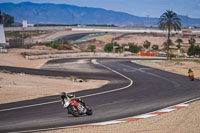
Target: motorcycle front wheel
74	111
89	110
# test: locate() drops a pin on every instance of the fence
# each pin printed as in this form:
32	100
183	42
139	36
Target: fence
16	43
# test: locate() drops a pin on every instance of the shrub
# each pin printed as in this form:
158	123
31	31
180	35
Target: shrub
63	46
134	48
194	50
92	48
146	44
192	41
109	47
155	47
171	55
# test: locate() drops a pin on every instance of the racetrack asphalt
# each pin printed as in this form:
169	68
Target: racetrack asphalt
152	89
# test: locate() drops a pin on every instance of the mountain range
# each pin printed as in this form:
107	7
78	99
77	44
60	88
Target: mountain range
68	14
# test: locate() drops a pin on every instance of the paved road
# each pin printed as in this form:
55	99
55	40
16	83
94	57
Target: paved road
72	37
152	89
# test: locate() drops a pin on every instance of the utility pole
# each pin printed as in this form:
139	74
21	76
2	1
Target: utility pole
147	20
3	18
37	19
72	18
187	21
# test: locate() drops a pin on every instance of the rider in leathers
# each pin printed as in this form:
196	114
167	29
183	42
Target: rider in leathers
64	97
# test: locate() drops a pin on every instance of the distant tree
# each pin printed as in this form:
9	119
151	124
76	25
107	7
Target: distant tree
179	41
134	48
169	21
191	41
109	47
167	44
6	19
147	44
1	18
92	48
191	50
155	47
197	51
194	51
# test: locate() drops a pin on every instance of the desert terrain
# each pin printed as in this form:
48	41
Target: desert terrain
139	39
186	120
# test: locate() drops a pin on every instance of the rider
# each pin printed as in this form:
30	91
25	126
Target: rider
190	74
190	71
64	96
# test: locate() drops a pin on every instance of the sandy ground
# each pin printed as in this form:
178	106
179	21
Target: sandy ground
100	42
17	87
138	39
158	40
14	58
185	120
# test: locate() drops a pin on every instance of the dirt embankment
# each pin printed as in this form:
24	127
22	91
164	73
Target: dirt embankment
17	87
15	59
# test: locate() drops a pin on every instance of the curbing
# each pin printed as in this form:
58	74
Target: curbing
134	118
128	119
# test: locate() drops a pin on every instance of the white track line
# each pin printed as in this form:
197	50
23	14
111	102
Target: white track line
122	88
29	106
94	62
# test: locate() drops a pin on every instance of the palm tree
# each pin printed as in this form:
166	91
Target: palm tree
169	21
179	41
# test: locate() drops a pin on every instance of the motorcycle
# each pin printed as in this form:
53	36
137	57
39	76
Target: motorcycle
77	108
191	76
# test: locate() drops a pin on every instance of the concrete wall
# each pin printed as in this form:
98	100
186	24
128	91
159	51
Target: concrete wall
92	54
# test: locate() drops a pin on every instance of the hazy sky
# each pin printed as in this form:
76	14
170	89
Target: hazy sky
152	8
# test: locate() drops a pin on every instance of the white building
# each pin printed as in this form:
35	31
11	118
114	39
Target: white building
25	24
2	35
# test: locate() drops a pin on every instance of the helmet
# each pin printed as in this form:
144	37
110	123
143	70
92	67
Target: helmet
70	95
63	95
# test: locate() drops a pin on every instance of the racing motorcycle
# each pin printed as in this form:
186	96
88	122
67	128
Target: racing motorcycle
77	108
191	76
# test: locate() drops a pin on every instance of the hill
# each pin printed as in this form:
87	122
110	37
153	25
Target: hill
68	14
